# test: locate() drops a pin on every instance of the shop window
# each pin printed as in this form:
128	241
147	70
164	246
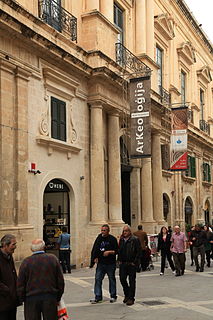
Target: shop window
191	171
206	172
58	119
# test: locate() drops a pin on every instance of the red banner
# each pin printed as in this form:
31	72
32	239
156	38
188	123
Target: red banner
179	139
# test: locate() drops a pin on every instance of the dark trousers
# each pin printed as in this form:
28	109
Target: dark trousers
208	259
168	255
64	257
8	315
33	309
101	270
196	251
191	254
179	261
144	260
128	271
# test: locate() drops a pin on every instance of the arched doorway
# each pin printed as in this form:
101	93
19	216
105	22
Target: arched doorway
206	212
56	212
166	207
125	182
188	211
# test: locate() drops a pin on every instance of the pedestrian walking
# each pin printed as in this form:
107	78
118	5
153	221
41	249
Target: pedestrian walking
129	259
178	248
64	250
142	236
207	245
198	238
191	245
8	278
40	283
104	251
164	244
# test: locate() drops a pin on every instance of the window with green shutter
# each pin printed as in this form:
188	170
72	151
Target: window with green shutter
191	171
58	119
206	172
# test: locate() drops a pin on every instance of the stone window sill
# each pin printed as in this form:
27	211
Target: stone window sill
166	173
53	144
206	184
188	179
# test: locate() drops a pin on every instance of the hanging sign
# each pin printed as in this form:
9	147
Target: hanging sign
178	149
140	113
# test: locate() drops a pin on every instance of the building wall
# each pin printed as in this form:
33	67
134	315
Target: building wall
38	62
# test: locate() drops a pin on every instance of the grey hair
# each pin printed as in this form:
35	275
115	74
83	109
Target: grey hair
6	240
127	226
38	246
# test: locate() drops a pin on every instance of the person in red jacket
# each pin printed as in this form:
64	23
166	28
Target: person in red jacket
8	277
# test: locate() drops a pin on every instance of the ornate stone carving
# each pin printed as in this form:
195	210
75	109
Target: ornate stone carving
44	125
72	131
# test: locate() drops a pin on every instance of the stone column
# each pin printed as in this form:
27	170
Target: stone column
157	179
140	33
115	213
92	5
146	194
150	28
107	9
98	214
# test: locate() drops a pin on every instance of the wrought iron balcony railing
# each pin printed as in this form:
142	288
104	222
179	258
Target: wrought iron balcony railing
52	13
204	126
165	95
127	59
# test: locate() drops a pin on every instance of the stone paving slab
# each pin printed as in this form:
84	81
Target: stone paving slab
158	297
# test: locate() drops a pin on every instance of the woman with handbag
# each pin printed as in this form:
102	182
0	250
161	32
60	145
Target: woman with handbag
64	250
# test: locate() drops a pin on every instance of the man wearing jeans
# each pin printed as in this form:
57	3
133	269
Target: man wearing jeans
178	248
104	253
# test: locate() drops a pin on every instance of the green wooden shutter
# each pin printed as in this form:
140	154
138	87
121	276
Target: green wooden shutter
62	119
54	118
193	167
58	119
209	173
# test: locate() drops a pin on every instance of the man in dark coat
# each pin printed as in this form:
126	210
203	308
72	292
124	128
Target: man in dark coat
40	283
8	277
129	259
104	253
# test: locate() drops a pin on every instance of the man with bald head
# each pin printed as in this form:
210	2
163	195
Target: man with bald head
40	283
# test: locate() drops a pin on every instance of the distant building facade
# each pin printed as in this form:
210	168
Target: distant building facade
65	155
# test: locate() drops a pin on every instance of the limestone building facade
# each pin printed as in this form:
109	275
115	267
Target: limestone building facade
64	118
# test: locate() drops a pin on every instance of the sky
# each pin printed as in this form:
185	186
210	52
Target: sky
203	12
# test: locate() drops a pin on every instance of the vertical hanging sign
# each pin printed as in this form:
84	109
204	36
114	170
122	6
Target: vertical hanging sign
140	113
179	139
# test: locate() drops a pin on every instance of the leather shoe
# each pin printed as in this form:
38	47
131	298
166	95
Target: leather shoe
125	299
130	302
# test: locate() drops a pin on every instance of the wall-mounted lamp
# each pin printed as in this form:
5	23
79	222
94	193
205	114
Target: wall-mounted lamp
32	169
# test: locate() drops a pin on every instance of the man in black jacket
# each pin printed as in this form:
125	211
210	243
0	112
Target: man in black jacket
129	259
198	238
8	277
104	253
